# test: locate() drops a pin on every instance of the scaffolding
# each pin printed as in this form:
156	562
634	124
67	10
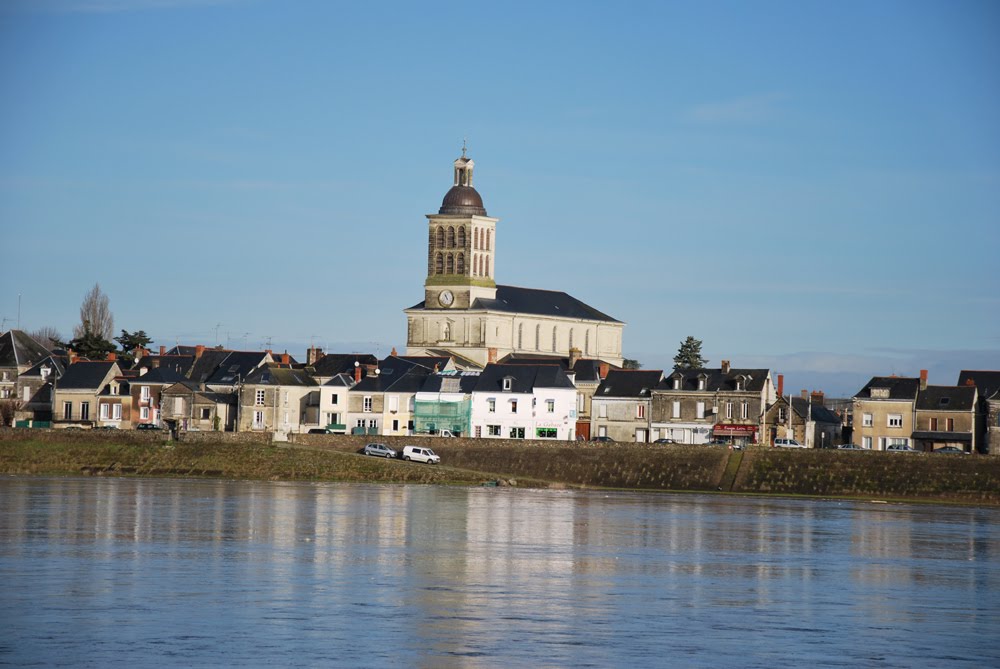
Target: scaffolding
430	417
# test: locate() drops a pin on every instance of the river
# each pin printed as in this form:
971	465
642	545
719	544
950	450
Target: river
132	572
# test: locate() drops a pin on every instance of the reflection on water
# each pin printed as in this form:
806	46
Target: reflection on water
133	572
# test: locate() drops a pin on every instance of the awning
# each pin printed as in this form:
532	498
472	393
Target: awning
735	430
943	436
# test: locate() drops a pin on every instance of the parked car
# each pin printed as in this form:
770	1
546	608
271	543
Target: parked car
900	448
421	454
664	441
850	447
788	443
379	451
147	426
717	441
602	439
952	450
320	430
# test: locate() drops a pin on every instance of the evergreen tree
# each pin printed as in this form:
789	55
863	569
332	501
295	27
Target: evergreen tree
631	363
91	344
130	341
689	355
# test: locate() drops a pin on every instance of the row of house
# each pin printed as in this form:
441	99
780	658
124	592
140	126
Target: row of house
191	388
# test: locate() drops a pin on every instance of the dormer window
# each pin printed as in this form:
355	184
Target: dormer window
701	382
677	384
508	383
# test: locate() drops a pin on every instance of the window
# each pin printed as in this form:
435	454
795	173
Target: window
144	393
372	423
676	410
493	430
491	405
508	383
951	424
334	398
550	406
259	399
701	384
545	433
27	393
513	406
258	420
866	420
361	423
393	403
517	433
745	410
895	420
520	335
84	410
206	413
933	425
602	431
116	412
700	410
640	410
68	410
729	410
677	384
866	442
284	398
367	404
781	415
395	425
554	335
586	342
579	402
538	337
105	411
602	410
144	413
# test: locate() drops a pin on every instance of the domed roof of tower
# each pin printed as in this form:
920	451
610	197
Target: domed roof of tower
462	200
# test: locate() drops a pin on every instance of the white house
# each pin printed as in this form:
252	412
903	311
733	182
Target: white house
524	402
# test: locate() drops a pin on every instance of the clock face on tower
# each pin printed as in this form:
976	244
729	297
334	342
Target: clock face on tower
446	298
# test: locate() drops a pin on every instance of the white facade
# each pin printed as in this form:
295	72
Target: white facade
333	402
546	413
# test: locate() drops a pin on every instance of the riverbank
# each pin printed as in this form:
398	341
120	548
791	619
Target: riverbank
767	471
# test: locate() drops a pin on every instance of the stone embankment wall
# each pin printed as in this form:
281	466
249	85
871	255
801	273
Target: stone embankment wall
916	476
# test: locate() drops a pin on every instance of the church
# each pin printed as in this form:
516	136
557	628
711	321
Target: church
466	314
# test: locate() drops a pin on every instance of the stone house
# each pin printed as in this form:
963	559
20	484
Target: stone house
809	422
275	398
18	353
188	406
884	410
987	385
621	406
34	390
945	416
146	393
694	406
83	386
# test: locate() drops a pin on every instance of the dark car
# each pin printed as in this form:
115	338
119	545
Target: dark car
602	439
664	440
951	450
850	447
147	426
320	430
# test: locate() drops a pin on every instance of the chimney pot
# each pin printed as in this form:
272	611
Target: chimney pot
923	379
357	373
781	385
492	355
286	359
725	366
804	394
112	356
198	350
393	352
603	370
163	350
574	355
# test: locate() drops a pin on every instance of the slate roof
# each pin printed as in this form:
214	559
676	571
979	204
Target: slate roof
716	380
637	383
159	375
900	387
524	378
236	365
586	370
396	375
820	414
206	365
947	398
17	349
515	300
988	382
332	364
340	381
451	382
181	364
275	375
85	375
52	361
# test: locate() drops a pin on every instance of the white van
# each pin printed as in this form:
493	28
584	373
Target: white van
420	454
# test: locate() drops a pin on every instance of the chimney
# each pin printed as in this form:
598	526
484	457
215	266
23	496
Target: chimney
804	394
603	370
781	385
198	350
393	352
313	355
269	351
286	359
112	356
491	356
163	350
818	397
725	366
574	356
923	379
357	372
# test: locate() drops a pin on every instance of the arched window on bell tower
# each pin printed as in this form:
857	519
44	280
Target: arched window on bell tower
451	238
461	237
440	238
460	264
449	264
439	264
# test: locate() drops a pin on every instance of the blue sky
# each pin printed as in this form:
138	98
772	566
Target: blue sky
810	187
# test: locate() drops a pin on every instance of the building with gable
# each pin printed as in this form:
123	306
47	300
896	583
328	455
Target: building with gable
524	402
465	314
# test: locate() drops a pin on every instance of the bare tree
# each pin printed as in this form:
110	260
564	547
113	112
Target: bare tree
47	336
95	315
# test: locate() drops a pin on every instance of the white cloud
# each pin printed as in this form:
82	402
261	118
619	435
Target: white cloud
748	109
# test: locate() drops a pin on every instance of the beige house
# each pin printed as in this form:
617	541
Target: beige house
883	411
945	416
620	408
279	399
87	395
187	406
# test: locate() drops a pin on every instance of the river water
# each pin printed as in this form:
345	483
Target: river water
197	573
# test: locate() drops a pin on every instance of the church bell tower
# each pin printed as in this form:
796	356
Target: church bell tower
461	241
